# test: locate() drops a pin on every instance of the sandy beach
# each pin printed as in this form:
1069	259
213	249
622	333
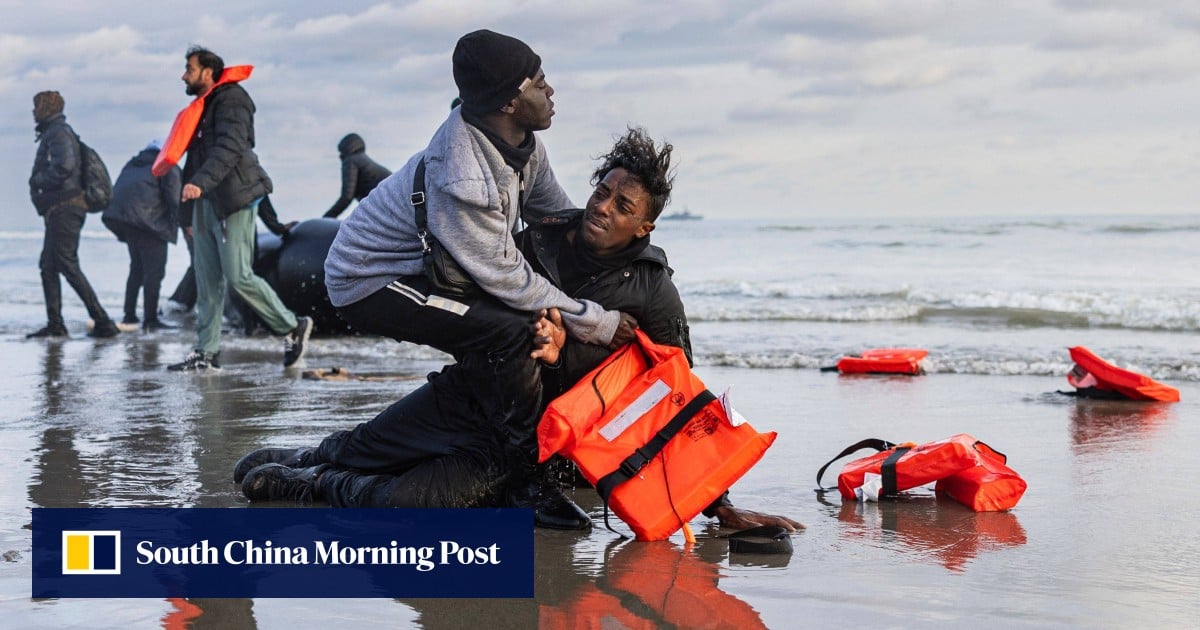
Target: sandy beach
1102	538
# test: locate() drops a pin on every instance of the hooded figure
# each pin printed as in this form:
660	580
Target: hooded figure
143	215
360	174
56	188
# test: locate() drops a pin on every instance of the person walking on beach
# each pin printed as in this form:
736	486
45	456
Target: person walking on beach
56	186
360	174
143	215
483	170
225	183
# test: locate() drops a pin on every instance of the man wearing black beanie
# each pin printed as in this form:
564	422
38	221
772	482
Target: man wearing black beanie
483	170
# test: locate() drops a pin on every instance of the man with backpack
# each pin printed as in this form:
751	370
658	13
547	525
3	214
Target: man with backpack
57	189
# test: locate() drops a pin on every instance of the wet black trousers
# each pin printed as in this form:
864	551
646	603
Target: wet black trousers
430	449
490	342
147	266
60	256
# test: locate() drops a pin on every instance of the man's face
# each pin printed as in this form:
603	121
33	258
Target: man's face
616	213
196	79
532	108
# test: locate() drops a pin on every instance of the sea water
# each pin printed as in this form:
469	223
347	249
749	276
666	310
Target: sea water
1102	538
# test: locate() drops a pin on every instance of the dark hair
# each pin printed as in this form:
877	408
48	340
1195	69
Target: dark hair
635	152
206	58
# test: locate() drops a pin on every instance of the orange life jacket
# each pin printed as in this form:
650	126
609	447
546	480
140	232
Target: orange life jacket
655	443
884	361
1091	371
186	121
966	470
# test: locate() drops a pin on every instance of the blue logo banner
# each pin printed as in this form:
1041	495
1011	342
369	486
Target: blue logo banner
282	552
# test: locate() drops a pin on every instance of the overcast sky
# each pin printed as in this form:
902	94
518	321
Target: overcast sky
791	109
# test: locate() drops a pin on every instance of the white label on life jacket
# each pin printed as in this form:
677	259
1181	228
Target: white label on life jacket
636	409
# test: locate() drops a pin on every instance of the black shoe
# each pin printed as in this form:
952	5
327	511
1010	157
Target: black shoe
290	457
47	332
551	508
294	343
157	325
104	329
197	362
276	482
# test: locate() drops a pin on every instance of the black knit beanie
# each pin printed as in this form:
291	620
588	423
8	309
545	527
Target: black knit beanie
47	104
489	69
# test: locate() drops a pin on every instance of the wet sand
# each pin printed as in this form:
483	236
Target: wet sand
1104	537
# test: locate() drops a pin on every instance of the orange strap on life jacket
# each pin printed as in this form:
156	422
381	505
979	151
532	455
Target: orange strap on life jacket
187	120
966	470
656	444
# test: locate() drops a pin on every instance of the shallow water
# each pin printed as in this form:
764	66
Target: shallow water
1102	538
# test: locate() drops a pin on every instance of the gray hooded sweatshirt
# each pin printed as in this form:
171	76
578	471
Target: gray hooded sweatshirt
471	204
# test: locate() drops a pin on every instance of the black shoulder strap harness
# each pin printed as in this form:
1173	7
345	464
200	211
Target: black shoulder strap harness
651	449
887	470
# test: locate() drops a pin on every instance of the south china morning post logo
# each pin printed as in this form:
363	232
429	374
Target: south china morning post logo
91	552
282	552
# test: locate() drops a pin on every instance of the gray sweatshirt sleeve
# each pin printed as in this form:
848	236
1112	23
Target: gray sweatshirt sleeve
479	238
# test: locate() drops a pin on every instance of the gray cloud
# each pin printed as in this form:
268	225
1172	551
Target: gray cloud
827	94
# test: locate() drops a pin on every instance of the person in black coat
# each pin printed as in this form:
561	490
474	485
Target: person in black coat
56	186
360	174
143	216
225	184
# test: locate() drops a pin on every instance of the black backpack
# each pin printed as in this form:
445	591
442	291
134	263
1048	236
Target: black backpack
96	184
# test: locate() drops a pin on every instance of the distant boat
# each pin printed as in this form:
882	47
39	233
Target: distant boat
682	215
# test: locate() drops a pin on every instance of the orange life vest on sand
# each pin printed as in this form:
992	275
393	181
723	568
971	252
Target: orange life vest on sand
966	469
657	445
884	361
186	121
1107	377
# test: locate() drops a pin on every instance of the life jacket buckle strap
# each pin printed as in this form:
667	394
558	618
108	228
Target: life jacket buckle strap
635	463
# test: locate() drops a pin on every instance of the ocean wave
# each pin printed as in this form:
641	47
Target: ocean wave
1164	370
1148	228
791	301
37	235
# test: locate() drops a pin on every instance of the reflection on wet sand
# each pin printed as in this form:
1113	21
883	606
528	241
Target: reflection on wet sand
1099	425
628	585
202	614
138	453
928	528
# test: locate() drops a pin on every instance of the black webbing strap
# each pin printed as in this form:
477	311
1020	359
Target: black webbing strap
642	456
888	470
418	203
875	443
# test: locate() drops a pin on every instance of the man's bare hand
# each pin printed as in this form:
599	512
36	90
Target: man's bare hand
190	192
549	336
737	518
624	332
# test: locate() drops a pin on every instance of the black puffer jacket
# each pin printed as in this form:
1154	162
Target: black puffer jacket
56	176
360	174
642	288
221	159
144	202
